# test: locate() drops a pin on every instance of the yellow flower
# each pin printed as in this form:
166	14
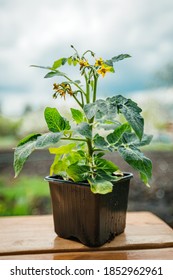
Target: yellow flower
103	69
83	63
98	62
62	89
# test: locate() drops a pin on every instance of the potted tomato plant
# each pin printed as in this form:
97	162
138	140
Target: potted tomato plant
89	193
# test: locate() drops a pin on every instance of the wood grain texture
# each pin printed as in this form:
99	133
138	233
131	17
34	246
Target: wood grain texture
35	235
148	254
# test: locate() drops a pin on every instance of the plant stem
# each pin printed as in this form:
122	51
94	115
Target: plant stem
90	148
74	139
87	89
80	104
95	88
81	90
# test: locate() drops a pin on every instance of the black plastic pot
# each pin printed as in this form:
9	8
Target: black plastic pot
93	219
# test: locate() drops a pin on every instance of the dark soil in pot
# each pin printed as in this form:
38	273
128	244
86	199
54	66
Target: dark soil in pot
93	219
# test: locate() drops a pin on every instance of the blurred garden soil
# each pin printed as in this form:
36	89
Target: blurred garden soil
158	199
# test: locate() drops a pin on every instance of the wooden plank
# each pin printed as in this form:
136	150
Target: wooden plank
151	254
35	234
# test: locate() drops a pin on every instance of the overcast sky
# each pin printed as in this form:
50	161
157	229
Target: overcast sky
40	31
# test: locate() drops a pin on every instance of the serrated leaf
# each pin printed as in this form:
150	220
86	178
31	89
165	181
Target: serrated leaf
132	139
55	121
85	130
101	109
135	158
115	137
77	115
131	112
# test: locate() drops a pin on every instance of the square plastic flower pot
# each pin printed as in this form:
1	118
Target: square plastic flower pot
92	219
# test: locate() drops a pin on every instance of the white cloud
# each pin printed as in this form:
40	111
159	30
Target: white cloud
37	32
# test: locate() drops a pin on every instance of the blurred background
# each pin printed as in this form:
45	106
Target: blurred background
39	32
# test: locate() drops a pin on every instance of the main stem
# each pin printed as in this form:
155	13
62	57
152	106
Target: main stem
95	88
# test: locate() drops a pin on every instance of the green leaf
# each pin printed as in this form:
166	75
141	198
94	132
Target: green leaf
22	152
115	137
55	121
78	173
100	142
131	139
120	57
85	130
28	138
47	140
59	63
90	110
135	158
101	186
69	60
101	109
57	165
109	62
144	179
42	67
77	115
74	61
131	112
64	158
106	165
77	81
54	73
62	149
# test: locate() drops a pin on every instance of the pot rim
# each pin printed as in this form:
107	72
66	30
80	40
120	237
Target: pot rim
56	178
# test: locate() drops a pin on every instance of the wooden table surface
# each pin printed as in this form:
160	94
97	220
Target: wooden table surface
32	237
